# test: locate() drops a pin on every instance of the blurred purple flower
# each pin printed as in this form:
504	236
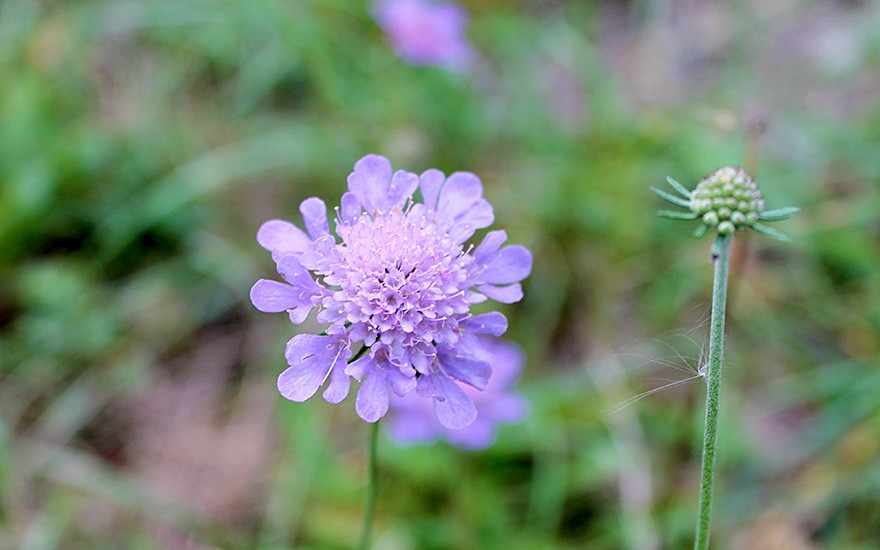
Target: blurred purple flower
412	420
427	33
400	281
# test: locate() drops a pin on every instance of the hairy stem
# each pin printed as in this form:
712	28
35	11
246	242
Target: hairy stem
716	351
371	487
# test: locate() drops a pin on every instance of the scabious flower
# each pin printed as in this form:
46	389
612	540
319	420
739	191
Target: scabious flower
427	33
399	280
411	420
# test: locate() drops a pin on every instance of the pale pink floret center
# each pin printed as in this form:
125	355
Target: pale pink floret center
399	278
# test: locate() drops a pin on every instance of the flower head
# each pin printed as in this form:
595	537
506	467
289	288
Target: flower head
427	33
412	421
400	281
728	200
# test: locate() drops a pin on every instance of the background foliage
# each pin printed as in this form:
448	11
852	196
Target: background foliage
143	142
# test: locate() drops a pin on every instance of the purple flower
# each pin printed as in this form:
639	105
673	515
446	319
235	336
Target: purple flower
412	420
398	279
427	33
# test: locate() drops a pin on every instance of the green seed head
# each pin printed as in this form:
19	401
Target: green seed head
729	198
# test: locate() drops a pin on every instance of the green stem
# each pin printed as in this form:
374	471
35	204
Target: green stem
716	351
371	487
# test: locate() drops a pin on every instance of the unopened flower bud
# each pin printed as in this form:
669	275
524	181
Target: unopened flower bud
726	228
734	200
728	200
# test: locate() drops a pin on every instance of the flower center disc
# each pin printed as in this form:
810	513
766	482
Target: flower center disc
401	279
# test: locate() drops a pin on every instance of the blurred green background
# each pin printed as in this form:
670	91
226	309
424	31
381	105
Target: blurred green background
142	143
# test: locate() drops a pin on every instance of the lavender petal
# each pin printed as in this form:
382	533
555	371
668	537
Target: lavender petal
282	238
456	410
337	389
489	246
469	370
461	204
511	265
504	294
350	207
369	181
403	185
494	323
430	183
311	358
372	399
314	213
274	297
